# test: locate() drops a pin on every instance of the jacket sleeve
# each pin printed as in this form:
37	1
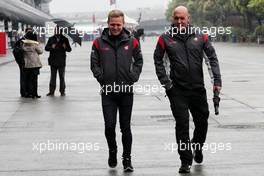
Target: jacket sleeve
95	62
48	46
159	65
138	58
38	49
211	55
18	53
68	46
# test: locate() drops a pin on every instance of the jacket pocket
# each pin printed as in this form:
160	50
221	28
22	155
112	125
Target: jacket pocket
133	75
101	77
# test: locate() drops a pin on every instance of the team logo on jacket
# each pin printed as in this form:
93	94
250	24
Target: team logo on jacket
126	47
172	42
105	49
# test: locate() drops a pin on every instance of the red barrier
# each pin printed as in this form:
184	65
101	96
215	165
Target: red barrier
2	43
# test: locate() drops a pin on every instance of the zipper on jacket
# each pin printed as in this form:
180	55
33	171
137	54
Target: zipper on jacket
184	41
116	58
115	50
117	74
188	60
187	54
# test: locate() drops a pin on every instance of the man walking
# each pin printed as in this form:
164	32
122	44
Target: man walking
116	63
57	45
185	84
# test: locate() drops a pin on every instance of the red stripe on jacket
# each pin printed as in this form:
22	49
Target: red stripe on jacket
161	43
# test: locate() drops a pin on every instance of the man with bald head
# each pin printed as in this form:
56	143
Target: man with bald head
181	16
185	83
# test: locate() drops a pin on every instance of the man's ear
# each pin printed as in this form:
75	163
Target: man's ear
189	19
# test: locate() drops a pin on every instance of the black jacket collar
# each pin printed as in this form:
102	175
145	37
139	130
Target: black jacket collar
125	34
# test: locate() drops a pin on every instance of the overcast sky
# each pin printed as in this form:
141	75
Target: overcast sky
62	6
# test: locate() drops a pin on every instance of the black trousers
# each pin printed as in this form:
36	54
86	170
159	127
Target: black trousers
182	101
31	81
53	78
22	81
110	104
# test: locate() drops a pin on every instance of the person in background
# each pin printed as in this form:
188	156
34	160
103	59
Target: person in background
57	45
18	53
32	50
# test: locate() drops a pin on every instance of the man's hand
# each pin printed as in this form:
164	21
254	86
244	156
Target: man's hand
64	46
217	88
216	98
168	89
53	46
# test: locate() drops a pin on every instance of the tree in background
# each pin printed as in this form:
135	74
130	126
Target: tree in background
242	7
172	6
258	7
217	12
204	12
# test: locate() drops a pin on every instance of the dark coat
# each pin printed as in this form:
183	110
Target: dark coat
120	63
186	60
57	55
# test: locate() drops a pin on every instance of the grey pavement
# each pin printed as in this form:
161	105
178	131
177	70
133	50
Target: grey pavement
6	58
235	137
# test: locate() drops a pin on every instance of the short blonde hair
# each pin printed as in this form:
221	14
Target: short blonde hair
114	14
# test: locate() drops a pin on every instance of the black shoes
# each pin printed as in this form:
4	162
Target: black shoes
198	156
28	96
36	96
185	169
32	96
127	165
197	152
50	94
112	160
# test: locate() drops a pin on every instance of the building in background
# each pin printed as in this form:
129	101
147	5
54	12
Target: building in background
17	15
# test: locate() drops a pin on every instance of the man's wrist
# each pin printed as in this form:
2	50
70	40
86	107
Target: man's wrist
168	86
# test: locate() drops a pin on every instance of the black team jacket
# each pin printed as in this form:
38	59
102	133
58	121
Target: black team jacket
185	54
116	60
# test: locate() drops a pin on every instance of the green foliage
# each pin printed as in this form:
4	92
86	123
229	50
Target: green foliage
257	6
240	32
172	5
216	12
259	31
